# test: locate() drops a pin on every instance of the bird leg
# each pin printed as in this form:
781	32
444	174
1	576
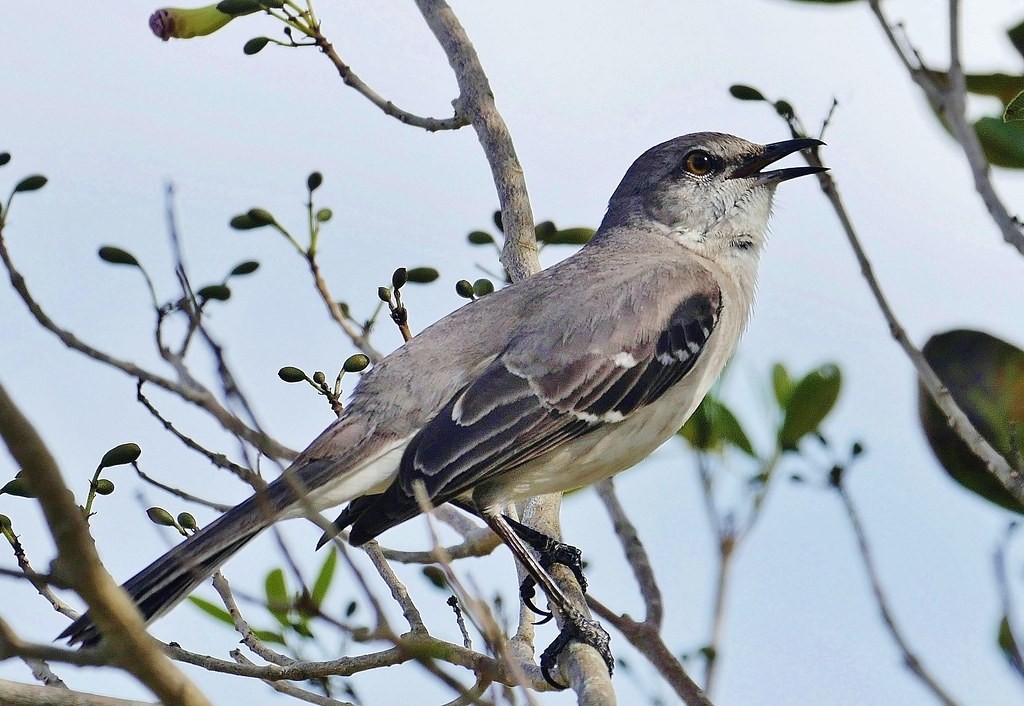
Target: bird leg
550	551
575	625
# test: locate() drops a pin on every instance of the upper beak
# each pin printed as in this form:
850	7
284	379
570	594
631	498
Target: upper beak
751	166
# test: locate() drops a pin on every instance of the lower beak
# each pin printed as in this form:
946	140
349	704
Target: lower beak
751	166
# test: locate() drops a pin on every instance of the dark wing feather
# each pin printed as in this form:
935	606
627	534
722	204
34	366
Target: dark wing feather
506	418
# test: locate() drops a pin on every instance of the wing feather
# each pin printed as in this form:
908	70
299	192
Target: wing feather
506	417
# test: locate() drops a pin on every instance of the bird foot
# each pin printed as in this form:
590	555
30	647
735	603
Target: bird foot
576	629
550	551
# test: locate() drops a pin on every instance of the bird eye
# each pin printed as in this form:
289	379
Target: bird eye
699	162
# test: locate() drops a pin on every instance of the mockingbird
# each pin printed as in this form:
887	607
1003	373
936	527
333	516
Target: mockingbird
550	384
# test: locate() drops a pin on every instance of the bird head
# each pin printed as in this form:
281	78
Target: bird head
708	191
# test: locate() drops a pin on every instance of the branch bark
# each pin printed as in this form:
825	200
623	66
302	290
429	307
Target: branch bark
15	694
950	100
77	562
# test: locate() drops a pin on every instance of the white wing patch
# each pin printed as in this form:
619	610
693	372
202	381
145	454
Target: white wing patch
625	360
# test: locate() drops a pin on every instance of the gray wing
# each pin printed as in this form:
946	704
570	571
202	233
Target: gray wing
527	403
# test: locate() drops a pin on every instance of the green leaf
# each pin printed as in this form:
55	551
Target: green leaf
117	256
544	230
159	516
422	275
270	636
1016	35
483	287
356	363
1003	143
571	236
464	288
5	157
785	109
237	8
30	183
212	609
255	45
1014	109
712	427
811	401
399	277
1002	86
314	180
104	487
290	373
244	221
324	215
261	216
324	578
436	577
479	237
985	377
277	596
218	292
245	268
497	221
782	384
1008	644
121	455
745	93
17	487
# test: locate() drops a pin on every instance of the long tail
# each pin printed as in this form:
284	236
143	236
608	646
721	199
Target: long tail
164	583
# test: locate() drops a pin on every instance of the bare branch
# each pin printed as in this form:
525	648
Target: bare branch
283	687
31	695
217	459
77	562
189	390
41	582
636	555
949	98
249	639
958	421
476	101
647	640
358	338
351	79
910	659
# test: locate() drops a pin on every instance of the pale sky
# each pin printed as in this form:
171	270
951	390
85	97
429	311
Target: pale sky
110	114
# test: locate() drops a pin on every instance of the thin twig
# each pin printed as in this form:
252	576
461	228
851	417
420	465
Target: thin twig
910	659
289	689
41	582
476	101
359	338
351	79
996	464
189	390
950	100
636	554
1011	647
649	643
249	639
217	459
113	611
15	693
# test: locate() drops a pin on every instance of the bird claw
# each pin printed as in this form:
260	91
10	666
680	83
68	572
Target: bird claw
550	551
527	592
578	629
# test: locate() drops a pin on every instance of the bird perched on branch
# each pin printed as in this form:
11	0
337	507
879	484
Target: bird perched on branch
550	384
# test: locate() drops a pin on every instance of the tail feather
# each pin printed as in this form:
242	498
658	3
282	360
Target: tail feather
164	583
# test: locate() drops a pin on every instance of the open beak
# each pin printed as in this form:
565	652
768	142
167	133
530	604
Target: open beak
751	166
